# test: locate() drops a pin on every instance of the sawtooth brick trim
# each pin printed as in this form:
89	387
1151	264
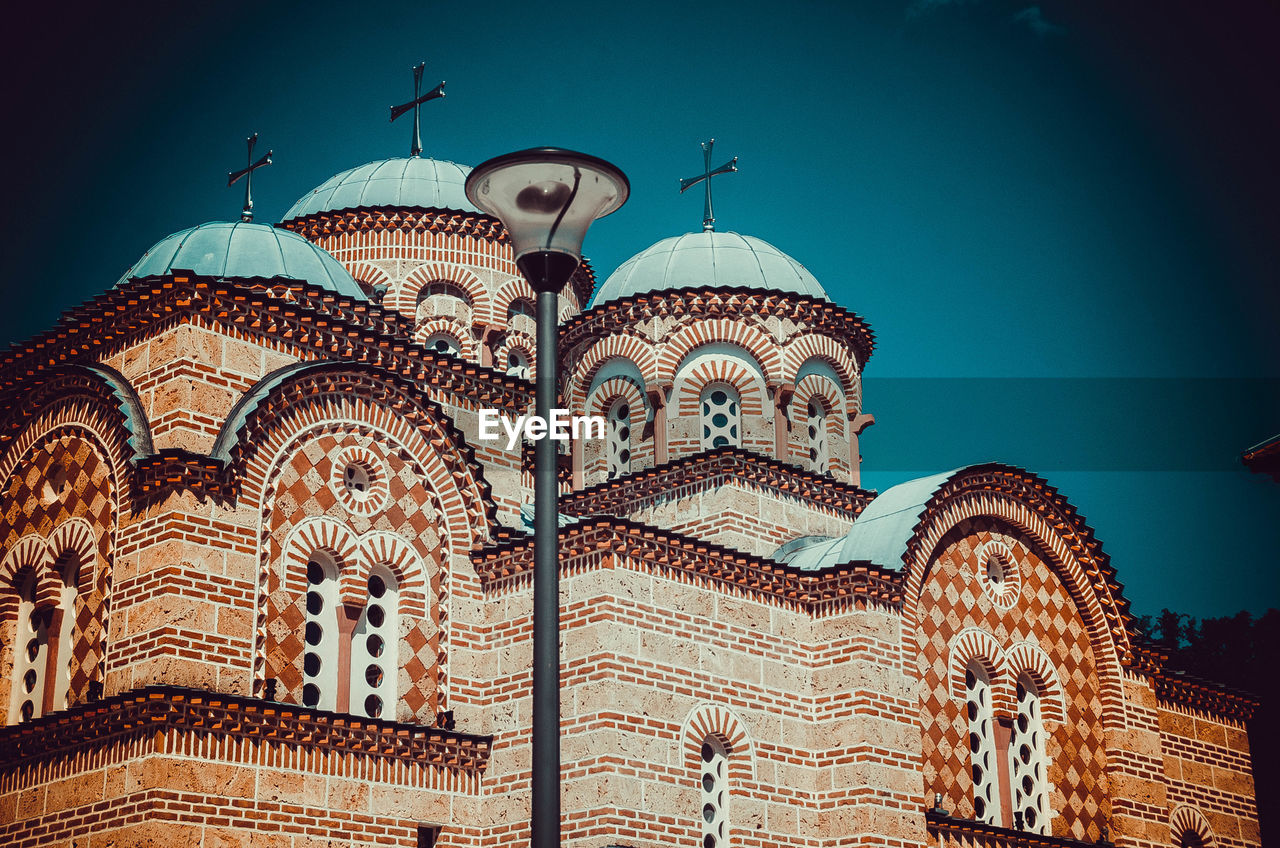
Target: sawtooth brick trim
709	469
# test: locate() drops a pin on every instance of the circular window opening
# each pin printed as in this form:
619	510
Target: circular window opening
310	695
357	479
373	706
996	570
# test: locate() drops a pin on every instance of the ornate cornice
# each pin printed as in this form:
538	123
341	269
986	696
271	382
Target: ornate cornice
731	302
679	477
174	469
416	219
154	712
683	558
983	835
320	322
1184	690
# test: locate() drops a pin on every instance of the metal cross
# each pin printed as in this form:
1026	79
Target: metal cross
415	104
246	214
708	218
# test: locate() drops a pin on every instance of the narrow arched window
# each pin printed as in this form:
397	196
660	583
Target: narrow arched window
1027	764
320	634
31	656
374	648
720	416
619	438
715	792
819	455
64	621
982	744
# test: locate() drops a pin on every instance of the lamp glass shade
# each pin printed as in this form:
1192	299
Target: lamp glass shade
547	197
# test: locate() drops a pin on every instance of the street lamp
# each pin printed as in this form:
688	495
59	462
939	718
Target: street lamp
546	198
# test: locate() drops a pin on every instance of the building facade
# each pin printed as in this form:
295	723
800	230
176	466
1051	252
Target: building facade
262	583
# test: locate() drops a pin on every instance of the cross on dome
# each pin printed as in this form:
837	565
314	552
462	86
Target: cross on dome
416	104
246	214
708	218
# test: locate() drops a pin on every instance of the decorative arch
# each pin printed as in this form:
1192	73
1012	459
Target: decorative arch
369	274
826	389
714	720
611	389
293	400
516	341
1187	819
31	553
318	534
96	400
1031	660
382	548
972	644
632	348
737	374
801	349
694	335
428	328
511	290
404	296
1028	503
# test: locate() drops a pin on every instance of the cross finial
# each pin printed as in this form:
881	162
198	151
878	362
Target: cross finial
708	217
415	104
246	214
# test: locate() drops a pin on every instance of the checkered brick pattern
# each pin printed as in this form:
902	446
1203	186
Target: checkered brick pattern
65	480
305	488
953	599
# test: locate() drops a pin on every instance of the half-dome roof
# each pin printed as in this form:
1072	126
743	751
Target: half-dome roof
709	260
224	249
413	183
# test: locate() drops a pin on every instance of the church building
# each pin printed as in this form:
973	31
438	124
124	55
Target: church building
262	582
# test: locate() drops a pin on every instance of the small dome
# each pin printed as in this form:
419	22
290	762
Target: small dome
415	182
709	260
222	249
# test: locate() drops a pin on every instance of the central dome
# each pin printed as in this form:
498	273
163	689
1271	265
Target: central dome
414	182
709	260
224	249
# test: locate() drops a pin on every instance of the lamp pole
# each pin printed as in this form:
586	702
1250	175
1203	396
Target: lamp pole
546	198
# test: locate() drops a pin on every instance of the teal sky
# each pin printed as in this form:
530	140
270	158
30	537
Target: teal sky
1059	219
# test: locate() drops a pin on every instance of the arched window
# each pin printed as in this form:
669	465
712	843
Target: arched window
64	622
443	298
31	656
720	416
982	744
518	364
320	633
819	455
1190	839
443	343
375	648
1027	760
619	435
715	792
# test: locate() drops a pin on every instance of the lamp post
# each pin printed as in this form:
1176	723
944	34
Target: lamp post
546	198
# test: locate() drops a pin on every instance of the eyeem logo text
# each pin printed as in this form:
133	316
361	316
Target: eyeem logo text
535	427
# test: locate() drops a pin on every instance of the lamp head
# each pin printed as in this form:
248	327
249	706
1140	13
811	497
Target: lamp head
546	198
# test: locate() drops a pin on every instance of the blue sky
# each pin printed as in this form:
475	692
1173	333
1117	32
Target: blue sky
1058	219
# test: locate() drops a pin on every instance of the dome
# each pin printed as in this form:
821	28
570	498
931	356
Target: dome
223	249
709	260
414	182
